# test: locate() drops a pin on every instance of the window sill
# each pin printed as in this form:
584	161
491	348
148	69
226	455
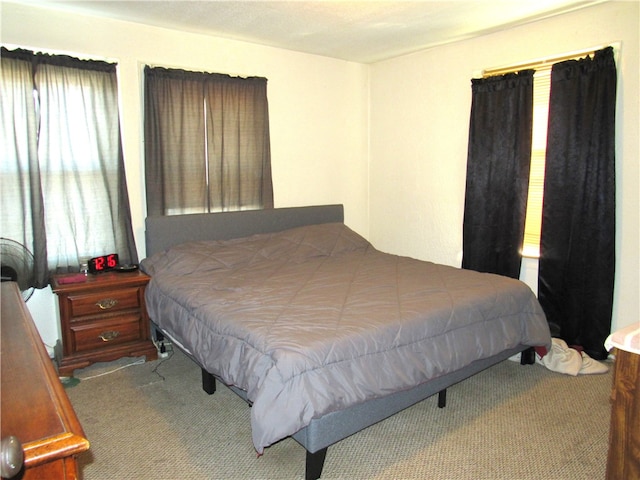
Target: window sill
530	252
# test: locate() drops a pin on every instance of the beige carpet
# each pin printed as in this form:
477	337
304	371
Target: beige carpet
153	421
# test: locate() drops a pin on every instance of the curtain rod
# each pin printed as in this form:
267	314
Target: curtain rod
543	62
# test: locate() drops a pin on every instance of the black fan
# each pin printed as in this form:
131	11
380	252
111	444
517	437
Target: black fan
16	262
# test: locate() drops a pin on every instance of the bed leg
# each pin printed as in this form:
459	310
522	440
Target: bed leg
442	398
528	356
314	464
208	382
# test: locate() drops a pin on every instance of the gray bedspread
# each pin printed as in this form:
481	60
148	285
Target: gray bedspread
314	319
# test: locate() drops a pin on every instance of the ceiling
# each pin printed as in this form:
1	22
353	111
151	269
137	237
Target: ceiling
362	31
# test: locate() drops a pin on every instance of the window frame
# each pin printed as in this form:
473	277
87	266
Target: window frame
220	124
85	236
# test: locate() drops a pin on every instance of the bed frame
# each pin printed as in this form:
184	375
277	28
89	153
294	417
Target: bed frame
163	232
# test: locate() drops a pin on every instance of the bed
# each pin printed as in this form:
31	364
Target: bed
321	333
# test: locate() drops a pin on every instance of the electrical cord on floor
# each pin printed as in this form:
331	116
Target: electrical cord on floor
165	354
137	362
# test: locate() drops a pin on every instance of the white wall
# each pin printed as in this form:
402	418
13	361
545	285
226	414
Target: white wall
318	110
419	127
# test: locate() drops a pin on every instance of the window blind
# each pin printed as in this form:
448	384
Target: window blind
533	223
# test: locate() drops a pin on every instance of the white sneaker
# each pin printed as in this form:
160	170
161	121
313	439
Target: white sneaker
591	366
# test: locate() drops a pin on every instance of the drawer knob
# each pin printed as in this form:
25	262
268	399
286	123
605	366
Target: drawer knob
108	335
12	457
107	303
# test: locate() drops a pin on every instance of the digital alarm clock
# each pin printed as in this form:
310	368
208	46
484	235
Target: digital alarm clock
103	263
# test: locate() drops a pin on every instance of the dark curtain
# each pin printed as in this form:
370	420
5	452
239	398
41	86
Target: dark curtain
238	144
577	245
499	158
21	199
206	142
175	156
63	186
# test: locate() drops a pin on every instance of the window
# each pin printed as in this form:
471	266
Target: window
533	223
541	90
206	142
63	187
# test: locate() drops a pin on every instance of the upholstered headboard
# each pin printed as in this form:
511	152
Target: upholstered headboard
163	232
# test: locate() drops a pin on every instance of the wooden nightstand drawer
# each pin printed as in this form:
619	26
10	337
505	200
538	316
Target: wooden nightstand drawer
107	332
103	302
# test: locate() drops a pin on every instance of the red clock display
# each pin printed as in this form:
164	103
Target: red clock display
103	263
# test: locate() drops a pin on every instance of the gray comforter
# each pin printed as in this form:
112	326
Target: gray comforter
314	319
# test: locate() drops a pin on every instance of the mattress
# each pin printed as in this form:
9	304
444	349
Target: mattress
314	319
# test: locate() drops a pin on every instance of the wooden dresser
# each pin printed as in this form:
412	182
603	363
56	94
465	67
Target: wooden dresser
623	461
34	406
102	317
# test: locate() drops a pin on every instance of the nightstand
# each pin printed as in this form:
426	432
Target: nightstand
102	318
